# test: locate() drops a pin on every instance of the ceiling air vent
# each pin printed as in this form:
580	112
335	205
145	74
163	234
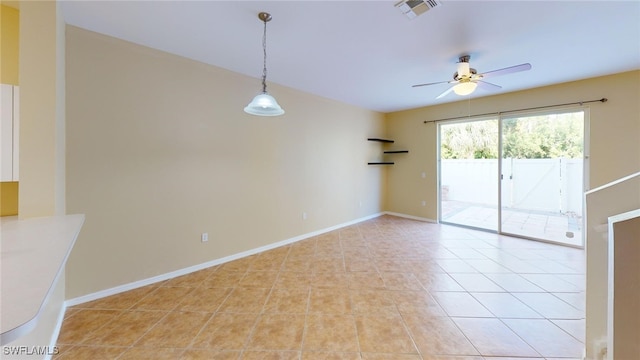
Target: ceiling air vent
413	8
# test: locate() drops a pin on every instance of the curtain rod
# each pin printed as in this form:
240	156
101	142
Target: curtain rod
603	100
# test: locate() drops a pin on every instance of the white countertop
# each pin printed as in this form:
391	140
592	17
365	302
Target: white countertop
33	253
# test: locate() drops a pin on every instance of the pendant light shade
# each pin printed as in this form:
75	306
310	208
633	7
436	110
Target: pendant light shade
264	104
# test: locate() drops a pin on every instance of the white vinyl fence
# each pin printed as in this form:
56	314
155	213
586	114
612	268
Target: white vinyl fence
549	185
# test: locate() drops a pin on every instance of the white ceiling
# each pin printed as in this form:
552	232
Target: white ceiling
367	53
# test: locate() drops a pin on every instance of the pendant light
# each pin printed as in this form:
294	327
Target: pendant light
264	104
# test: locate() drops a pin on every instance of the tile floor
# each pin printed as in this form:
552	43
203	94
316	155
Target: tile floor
387	288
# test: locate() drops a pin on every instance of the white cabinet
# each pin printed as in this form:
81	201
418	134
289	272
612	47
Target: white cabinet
9	130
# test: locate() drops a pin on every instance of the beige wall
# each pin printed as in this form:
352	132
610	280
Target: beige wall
614	135
160	151
42	116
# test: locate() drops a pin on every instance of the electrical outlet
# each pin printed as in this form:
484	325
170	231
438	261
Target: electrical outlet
304	216
204	237
424	203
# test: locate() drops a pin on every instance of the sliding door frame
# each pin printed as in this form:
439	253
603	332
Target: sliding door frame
513	114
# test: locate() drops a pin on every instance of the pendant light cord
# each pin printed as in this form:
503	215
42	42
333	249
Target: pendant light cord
264	62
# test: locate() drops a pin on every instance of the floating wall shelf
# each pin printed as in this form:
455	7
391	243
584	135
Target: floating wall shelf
380	140
386	141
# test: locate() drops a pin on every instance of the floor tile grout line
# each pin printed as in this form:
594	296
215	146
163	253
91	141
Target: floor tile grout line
565	331
409	332
80	343
206	323
150	328
521	338
258	318
465	335
306	318
563	300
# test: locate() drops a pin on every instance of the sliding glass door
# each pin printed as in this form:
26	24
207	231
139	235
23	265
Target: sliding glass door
542	182
519	175
468	173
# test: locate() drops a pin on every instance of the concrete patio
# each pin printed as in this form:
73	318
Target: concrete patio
547	226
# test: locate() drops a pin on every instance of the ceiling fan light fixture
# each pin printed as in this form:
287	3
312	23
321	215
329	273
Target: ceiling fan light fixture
465	88
463	69
264	104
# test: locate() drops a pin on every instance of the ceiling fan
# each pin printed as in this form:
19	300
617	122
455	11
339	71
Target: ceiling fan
467	78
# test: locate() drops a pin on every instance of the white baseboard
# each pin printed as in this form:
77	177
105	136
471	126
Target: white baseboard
411	217
140	283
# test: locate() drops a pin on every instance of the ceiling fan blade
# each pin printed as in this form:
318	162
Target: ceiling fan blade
445	93
433	83
487	85
508	70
